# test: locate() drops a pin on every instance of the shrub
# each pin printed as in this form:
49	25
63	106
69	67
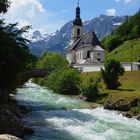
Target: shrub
90	88
111	73
52	62
64	82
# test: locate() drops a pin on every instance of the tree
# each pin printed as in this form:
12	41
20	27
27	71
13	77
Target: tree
4	4
14	57
111	73
111	42
52	62
64	82
89	88
61	78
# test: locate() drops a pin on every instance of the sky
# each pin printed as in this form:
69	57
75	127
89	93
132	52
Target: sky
50	15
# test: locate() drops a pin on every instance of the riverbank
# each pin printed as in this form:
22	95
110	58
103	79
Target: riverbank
126	98
10	120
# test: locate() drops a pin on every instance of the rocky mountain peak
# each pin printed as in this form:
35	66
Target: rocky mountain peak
58	41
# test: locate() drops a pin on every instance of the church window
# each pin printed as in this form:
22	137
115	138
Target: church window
78	31
99	59
88	54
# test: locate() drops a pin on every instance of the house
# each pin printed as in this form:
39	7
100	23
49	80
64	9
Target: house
84	48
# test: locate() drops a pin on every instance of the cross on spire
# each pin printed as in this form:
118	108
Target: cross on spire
78	3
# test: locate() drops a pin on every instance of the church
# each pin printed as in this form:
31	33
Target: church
83	48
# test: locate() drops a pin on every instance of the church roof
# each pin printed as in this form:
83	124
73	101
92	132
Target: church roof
89	39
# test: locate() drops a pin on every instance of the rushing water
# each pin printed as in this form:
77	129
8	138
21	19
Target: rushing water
57	117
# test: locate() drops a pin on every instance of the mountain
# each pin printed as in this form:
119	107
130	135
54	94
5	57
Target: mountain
58	41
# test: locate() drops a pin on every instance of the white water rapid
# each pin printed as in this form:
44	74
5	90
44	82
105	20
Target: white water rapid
57	117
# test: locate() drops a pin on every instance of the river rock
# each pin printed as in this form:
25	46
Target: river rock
10	123
23	109
109	106
120	105
138	117
28	130
128	115
135	102
8	137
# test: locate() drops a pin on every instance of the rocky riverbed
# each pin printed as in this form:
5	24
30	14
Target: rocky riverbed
10	121
122	105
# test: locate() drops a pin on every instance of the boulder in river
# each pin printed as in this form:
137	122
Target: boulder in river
8	137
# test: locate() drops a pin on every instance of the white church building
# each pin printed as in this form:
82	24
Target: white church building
84	49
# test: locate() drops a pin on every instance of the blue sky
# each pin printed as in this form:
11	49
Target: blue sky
49	15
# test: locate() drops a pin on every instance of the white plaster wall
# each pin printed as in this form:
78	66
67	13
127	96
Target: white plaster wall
93	68
82	52
71	57
98	55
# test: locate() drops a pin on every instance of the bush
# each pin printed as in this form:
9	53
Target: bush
90	89
52	62
64	82
111	73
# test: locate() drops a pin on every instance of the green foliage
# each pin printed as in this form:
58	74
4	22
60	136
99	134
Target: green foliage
111	73
61	78
4	4
90	88
135	110
123	52
52	62
14	56
111	42
127	31
64	82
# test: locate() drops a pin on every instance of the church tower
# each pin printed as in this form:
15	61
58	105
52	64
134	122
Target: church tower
77	28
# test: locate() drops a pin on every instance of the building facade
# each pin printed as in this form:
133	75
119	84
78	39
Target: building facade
84	48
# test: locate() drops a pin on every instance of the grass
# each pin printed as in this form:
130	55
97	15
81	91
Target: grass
129	90
123	52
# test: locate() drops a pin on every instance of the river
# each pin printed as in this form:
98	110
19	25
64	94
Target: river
57	117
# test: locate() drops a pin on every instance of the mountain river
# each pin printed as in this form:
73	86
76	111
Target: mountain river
58	117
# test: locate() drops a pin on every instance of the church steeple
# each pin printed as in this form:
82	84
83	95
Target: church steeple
77	28
77	20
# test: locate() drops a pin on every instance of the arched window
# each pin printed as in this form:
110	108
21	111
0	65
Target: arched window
78	32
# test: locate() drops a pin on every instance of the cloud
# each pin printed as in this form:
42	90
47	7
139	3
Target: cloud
25	12
127	1
32	12
117	0
111	12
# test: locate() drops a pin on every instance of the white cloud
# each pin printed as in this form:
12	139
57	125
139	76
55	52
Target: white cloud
32	12
25	12
111	12
127	1
117	0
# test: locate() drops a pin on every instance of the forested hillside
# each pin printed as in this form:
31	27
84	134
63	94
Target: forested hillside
124	52
128	31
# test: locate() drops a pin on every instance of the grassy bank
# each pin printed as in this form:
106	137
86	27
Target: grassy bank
125	50
129	90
